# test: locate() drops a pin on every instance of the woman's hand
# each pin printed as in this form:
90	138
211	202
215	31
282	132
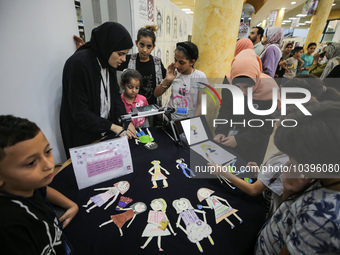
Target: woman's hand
219	138
69	214
316	58
229	141
131	131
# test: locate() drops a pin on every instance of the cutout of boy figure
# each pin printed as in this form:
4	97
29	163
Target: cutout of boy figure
28	223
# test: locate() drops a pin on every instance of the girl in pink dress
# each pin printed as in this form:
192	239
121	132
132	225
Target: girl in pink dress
157	223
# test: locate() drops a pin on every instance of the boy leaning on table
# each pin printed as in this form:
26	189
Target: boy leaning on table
28	223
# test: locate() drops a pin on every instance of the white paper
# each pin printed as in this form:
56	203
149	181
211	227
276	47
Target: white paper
99	162
194	130
213	152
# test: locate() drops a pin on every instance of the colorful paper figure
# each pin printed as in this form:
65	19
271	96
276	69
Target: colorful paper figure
196	229
158	223
123	202
100	199
121	219
157	175
222	212
184	167
146	138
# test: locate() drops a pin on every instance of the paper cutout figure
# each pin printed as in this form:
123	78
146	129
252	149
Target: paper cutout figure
229	166
196	229
184	167
121	219
158	223
123	202
146	138
157	175
100	199
222	212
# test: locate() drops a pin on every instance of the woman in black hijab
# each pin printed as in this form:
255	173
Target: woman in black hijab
91	102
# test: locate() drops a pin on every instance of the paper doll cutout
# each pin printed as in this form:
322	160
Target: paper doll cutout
229	166
222	212
100	199
157	174
146	138
184	167
158	223
196	229
121	219
123	202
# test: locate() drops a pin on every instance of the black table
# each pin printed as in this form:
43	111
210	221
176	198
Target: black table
87	238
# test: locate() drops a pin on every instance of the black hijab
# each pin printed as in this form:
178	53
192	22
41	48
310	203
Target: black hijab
107	38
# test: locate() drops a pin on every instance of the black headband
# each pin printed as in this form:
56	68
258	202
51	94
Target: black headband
189	49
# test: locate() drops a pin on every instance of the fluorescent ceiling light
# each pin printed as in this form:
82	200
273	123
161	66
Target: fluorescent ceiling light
189	12
333	4
301	15
301	24
293	3
287	21
292	18
283	8
186	10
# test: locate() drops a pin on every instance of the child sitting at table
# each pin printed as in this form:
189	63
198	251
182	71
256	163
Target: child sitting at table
28	223
308	222
130	82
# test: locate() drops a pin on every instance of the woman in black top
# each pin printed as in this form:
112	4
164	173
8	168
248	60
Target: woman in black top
91	103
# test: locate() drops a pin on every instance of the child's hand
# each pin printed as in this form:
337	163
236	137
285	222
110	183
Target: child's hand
69	215
171	72
214	168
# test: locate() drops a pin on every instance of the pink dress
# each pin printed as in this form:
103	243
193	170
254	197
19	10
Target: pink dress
152	229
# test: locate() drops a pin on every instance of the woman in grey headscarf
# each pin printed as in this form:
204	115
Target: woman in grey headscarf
333	54
271	52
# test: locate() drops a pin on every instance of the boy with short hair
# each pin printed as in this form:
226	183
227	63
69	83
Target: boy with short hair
291	64
28	224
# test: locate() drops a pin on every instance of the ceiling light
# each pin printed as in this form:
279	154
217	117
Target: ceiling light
333	4
189	12
301	15
293	3
283	8
283	23
301	24
287	21
186	10
292	18
307	22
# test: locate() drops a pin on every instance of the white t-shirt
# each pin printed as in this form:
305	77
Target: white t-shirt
270	176
292	65
184	94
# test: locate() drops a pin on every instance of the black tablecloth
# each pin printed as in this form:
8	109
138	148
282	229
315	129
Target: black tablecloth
87	238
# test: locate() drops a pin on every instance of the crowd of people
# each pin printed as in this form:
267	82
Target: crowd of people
303	209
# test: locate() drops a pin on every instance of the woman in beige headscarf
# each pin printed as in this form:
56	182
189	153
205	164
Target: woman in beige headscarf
249	142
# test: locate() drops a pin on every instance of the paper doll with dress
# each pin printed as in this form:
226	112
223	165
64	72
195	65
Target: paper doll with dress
130	214
195	228
222	211
158	223
157	175
184	167
111	192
